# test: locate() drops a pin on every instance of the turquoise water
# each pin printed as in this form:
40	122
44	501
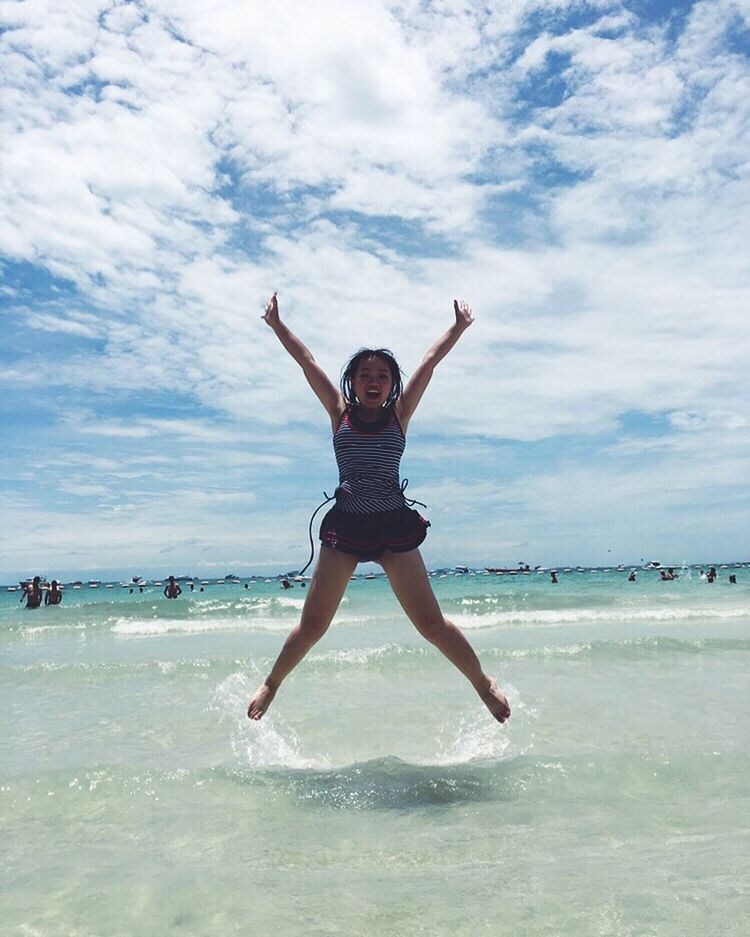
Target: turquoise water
378	796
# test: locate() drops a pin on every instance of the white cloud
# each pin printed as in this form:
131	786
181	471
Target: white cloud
177	162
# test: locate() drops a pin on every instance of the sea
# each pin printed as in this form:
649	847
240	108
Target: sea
378	796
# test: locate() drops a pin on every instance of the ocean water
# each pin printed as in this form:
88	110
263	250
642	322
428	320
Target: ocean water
377	796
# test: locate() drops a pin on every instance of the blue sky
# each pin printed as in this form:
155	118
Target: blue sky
578	172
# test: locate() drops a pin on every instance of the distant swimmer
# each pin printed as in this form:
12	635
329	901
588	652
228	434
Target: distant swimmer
172	589
285	584
553	576
733	579
632	575
32	593
54	594
372	520
711	575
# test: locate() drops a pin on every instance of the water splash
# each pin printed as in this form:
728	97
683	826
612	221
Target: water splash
270	742
482	738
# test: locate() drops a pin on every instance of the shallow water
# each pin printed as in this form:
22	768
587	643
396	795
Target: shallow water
378	796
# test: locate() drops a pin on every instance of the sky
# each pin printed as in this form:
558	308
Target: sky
579	173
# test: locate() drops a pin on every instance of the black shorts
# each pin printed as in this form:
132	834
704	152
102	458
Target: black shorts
366	536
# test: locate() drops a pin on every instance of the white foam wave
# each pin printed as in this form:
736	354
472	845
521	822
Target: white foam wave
554	617
126	627
289	602
32	630
208	605
358	655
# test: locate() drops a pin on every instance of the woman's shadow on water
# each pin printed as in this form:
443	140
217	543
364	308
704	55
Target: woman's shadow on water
391	784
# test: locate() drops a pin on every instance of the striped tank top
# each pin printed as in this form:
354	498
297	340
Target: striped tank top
368	456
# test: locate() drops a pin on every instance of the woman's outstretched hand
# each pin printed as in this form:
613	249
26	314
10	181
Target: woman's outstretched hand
271	315
464	315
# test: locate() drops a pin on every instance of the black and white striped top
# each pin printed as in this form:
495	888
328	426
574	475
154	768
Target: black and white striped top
368	456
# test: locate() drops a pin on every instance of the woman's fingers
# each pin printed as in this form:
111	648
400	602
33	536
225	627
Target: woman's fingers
272	308
463	312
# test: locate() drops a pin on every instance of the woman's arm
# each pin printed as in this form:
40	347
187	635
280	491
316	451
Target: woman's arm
421	378
328	394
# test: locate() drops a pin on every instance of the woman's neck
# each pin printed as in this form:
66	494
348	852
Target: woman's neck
368	414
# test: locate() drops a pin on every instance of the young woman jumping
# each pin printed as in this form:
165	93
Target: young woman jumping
371	521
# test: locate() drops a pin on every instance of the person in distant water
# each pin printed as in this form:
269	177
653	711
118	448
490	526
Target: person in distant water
702	575
632	575
711	575
733	579
285	584
192	586
54	594
172	589
370	413
32	592
553	577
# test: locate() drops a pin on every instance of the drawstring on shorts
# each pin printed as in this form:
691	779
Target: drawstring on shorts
334	497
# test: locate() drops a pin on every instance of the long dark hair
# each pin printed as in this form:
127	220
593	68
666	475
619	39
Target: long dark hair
364	354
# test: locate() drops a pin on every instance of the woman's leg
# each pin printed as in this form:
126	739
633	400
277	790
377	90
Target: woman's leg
328	584
408	578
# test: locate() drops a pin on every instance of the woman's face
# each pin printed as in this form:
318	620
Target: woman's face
373	382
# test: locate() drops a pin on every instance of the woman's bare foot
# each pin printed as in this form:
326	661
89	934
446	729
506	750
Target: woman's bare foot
260	702
494	699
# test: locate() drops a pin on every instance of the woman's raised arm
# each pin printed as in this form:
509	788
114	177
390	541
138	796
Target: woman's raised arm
328	394
421	378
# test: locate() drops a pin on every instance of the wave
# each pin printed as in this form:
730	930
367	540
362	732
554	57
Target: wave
126	627
626	647
554	617
104	669
388	656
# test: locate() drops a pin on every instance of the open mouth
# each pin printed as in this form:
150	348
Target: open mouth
373	394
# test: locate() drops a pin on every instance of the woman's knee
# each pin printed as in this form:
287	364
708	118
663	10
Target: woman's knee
313	627
431	628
